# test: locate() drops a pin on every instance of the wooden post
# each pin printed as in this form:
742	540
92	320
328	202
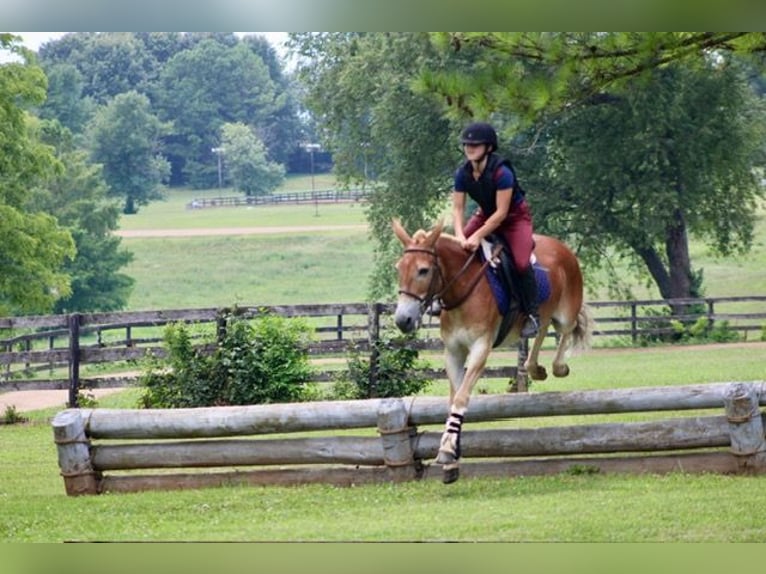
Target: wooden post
396	435
74	453
633	323
748	442
74	358
521	383
373	335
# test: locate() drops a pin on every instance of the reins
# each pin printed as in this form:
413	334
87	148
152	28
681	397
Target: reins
432	293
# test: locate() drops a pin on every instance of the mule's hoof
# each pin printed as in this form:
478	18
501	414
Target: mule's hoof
451	474
538	374
560	370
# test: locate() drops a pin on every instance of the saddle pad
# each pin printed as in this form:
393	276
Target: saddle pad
502	298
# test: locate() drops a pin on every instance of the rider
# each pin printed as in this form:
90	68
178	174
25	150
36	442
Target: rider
491	182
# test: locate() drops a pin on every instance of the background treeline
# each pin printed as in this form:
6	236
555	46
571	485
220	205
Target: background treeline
194	82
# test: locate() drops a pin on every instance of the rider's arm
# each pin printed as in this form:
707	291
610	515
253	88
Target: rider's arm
458	209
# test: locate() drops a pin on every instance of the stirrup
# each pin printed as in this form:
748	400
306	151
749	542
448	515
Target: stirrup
531	327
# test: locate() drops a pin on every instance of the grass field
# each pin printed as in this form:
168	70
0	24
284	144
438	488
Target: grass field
583	508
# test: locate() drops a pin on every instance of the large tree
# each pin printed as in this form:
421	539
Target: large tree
671	158
34	246
124	136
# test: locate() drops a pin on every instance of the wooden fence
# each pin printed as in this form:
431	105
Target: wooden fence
32	346
100	450
296	197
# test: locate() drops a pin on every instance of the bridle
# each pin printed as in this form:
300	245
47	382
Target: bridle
433	292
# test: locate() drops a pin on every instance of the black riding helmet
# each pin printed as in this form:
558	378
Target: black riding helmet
480	133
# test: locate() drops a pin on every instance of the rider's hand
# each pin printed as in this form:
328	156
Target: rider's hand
471	244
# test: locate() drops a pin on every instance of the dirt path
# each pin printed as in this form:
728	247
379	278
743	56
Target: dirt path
200	231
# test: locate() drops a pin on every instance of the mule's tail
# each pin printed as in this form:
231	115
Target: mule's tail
583	331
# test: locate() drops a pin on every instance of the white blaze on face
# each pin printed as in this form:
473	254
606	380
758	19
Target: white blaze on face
407	314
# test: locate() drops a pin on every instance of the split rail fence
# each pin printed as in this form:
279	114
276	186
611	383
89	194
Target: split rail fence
32	347
107	450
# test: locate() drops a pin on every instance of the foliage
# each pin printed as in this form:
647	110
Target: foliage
246	163
195	80
532	76
34	246
259	361
124	137
201	89
395	371
77	197
673	156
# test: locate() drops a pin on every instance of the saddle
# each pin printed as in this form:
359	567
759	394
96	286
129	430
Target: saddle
504	281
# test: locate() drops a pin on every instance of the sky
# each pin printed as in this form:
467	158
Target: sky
33	40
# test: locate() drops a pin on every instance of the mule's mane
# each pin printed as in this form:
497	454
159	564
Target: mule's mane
420	236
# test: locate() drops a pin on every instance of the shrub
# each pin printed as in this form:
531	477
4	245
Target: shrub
13	416
261	360
399	372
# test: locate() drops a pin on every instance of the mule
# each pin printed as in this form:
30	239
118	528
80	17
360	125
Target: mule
435	266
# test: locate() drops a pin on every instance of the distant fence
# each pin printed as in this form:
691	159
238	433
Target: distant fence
100	450
296	197
32	345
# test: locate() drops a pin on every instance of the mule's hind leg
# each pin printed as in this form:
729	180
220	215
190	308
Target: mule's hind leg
560	367
534	370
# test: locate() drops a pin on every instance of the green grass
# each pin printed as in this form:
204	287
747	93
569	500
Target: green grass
584	508
174	273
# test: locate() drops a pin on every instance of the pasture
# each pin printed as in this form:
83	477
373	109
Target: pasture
333	267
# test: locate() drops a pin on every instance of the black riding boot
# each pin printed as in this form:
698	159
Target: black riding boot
529	303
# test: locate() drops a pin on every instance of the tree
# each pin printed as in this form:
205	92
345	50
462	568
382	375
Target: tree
77	197
124	137
245	159
673	156
200	90
34	246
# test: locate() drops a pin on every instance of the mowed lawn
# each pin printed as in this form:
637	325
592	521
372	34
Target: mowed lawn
563	508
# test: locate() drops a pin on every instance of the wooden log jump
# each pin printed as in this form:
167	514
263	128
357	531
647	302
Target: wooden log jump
198	440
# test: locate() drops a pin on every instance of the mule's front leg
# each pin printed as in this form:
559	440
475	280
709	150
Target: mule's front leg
449	447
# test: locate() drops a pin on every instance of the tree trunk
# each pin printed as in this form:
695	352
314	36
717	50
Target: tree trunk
677	249
674	282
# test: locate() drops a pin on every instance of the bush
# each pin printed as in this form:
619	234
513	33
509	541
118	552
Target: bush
262	360
399	372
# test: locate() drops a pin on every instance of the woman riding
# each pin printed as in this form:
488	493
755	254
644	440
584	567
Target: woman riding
491	182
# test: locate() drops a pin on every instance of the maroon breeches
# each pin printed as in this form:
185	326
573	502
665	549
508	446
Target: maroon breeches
517	230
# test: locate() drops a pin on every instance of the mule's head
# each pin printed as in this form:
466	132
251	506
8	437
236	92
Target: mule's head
419	275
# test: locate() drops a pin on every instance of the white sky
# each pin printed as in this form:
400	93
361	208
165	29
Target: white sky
33	40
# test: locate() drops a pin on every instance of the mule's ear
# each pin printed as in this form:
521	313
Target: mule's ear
435	232
399	231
